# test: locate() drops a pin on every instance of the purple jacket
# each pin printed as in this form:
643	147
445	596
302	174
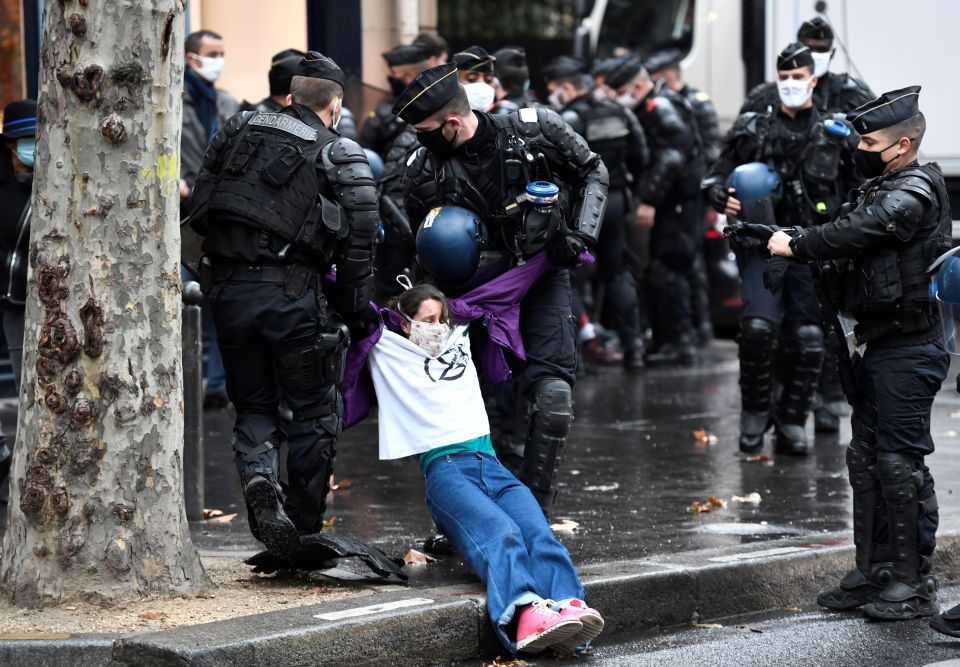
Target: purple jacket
497	346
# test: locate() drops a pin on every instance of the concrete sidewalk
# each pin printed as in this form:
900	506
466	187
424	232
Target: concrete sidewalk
443	625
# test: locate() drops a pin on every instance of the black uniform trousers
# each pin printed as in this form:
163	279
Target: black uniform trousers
259	328
619	310
896	387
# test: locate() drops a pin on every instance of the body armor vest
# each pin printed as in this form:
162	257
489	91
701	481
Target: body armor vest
808	162
606	130
887	289
515	162
269	179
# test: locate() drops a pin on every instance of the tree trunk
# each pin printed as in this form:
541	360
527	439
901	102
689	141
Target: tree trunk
96	499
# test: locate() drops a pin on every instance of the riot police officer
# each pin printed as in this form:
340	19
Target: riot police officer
283	67
281	197
485	163
665	66
381	127
835	92
513	74
808	153
669	206
882	245
612	132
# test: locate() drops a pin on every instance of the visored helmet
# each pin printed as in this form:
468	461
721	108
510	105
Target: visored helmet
945	293
449	244
758	189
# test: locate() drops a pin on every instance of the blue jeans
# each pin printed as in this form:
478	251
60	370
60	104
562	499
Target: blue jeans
497	526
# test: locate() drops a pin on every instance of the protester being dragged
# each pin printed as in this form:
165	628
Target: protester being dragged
431	407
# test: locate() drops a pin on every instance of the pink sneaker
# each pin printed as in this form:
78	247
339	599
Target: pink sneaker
539	627
589	618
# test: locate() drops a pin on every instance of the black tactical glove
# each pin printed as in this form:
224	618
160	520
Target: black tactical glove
717	196
565	251
774	272
744	236
361	323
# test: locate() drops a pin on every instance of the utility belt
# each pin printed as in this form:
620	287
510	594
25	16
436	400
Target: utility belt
295	278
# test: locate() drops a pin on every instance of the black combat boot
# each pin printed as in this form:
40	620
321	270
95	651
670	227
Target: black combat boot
948	622
856	588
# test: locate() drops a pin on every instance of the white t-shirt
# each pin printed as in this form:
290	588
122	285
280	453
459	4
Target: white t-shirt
426	402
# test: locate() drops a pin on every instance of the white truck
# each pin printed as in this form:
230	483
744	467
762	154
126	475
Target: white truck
731	45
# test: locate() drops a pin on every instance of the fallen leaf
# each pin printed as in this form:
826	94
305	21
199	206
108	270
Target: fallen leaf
758	458
210	514
707	625
704	438
70	608
224	518
749	499
328	523
151	615
792	609
414	557
602	487
342	486
498	662
759	632
564	526
710	504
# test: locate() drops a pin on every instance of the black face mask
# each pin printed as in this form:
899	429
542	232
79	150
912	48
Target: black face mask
397	86
870	163
436	143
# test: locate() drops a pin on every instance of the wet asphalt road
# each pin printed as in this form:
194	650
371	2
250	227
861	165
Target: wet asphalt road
806	637
632	469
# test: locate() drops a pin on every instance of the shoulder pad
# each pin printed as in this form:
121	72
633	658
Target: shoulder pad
237	121
405	140
571	117
917	185
345	163
550	122
342	150
900	211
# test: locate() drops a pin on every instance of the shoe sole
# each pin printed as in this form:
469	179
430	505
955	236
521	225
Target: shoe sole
942	627
592	627
923	611
834	605
277	532
552	635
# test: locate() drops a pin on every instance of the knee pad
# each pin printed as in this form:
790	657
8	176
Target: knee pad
552	406
757	332
806	341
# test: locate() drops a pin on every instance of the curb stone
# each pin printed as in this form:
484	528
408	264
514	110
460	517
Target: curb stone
433	626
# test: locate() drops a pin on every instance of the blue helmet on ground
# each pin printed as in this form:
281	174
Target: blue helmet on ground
758	189
945	294
449	244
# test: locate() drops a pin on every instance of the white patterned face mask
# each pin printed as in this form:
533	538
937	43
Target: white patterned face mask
431	337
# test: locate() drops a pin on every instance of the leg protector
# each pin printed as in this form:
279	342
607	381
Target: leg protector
551	411
900	480
804	356
757	342
312	438
861	464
